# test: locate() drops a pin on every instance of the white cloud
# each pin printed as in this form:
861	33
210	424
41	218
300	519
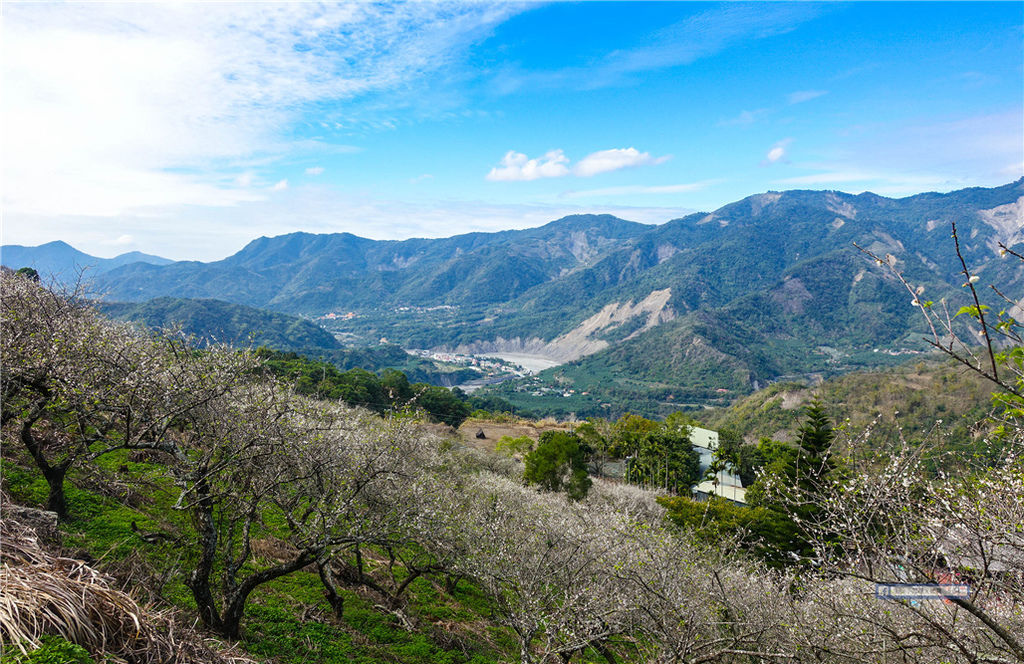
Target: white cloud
280	185
641	190
111	108
124	239
777	152
517	166
613	160
801	96
315	170
421	178
244	180
744	118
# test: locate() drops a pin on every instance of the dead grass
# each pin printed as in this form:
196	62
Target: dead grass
494	430
274	550
44	593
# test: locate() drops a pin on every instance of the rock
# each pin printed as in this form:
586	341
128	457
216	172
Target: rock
41	521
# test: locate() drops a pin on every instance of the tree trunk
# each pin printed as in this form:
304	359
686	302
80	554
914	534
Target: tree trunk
330	589
56	501
199	580
413	575
231	621
525	656
605	652
524	653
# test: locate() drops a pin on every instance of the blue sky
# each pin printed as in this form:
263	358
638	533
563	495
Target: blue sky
187	130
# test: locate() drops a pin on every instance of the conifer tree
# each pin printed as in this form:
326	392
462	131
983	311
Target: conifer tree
816	435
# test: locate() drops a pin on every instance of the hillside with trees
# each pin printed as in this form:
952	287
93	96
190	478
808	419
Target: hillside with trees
229	490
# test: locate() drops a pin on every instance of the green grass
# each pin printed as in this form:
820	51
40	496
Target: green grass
287	620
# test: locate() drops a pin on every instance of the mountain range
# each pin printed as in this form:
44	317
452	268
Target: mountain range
767	287
60	262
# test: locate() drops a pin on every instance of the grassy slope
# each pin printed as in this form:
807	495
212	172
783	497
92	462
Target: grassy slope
287	620
912	397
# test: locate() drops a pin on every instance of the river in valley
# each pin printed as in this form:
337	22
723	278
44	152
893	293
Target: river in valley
532	363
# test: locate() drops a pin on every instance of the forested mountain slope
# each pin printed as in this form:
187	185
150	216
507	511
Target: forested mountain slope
764	288
216	321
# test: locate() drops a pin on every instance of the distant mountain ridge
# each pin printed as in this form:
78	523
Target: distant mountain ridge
307	273
215	321
60	261
767	287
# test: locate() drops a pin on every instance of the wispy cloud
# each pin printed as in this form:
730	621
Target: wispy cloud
885	183
642	190
280	185
129	106
315	170
682	43
830	177
316	209
1014	171
744	118
907	158
244	180
800	96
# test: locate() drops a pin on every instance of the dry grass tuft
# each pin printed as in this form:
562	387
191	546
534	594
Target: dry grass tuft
274	550
47	594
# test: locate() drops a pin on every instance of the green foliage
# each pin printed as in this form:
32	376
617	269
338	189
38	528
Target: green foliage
224	322
519	445
441	403
494	404
630	433
53	650
764	532
658	454
815	439
921	400
389	392
558	463
28	272
667	460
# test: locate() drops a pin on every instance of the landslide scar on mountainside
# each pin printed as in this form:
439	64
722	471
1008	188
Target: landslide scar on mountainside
585	339
1008	223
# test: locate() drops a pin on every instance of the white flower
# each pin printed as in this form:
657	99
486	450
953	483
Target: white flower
973	279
